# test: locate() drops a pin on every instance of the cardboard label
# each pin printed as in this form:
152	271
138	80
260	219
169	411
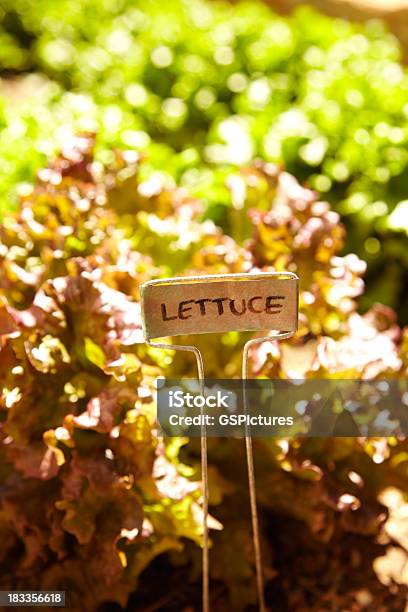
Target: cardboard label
219	303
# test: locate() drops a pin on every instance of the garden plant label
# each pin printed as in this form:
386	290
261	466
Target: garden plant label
219	303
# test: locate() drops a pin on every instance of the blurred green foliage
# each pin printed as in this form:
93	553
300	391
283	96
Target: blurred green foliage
213	85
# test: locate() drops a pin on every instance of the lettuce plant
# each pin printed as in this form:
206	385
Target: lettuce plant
92	495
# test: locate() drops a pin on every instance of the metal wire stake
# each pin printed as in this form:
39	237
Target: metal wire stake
204	467
251	469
